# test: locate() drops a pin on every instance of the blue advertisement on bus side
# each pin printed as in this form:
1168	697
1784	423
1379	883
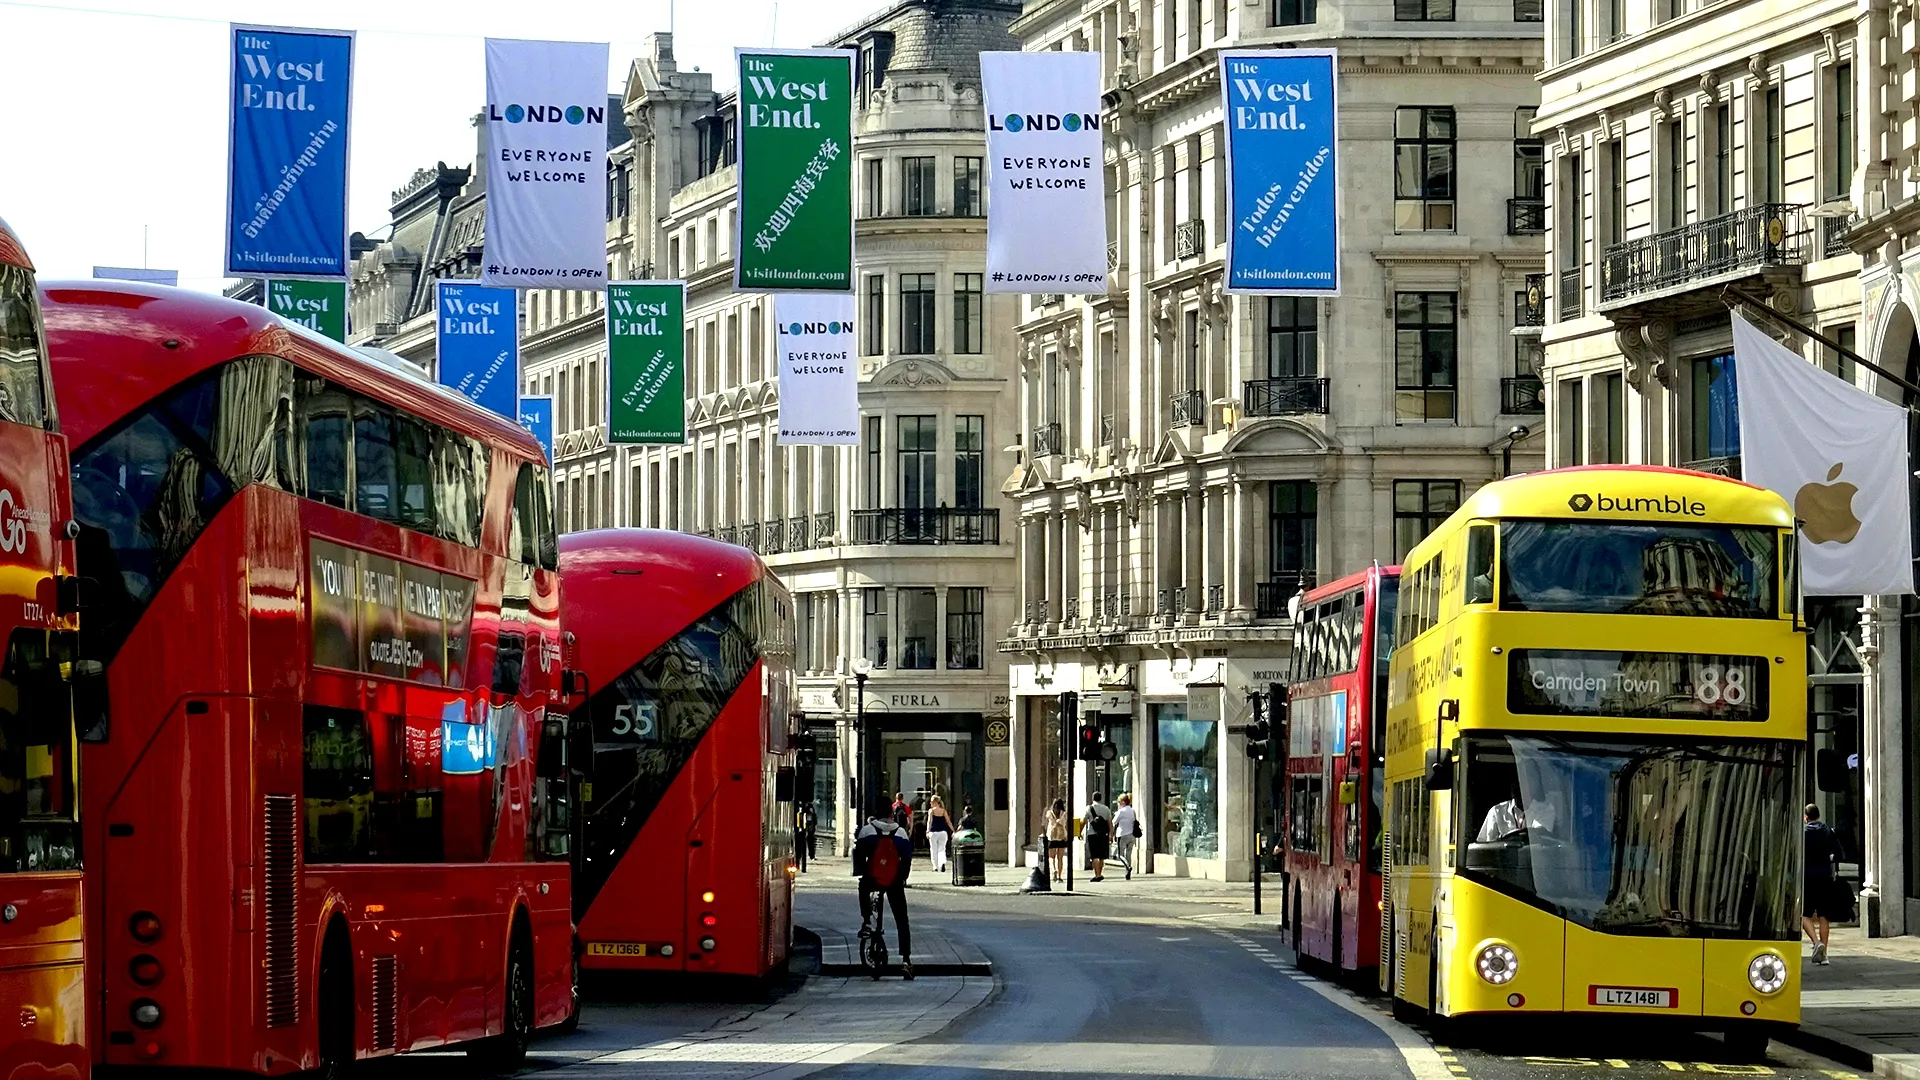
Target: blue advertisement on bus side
1283	177
536	415
290	100
478	336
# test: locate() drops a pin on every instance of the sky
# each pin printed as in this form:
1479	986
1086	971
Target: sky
113	139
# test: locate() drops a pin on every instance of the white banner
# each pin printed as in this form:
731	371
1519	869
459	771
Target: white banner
819	382
1046	196
546	165
1839	455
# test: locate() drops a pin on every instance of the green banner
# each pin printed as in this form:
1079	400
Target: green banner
796	171
320	306
646	362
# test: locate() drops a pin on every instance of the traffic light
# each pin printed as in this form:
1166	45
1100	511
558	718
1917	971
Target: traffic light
1259	740
1089	743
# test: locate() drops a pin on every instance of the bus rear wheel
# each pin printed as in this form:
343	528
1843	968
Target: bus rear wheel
336	1006
507	1051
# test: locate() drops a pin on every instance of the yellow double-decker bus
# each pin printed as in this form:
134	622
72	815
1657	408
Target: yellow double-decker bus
1596	715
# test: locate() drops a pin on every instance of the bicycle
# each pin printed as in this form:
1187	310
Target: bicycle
873	937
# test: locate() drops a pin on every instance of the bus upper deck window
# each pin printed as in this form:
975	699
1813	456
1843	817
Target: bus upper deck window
1480	564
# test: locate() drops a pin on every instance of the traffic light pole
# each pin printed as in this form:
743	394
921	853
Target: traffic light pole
1069	750
1253	801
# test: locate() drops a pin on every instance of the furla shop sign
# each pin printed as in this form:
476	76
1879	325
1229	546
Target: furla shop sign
935	701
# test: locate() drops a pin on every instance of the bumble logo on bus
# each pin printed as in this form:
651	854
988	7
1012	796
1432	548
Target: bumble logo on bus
1643	504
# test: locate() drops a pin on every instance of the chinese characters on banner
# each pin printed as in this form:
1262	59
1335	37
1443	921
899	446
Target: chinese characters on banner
546	120
1046	205
646	362
289	103
819	382
478	343
1283	229
796	171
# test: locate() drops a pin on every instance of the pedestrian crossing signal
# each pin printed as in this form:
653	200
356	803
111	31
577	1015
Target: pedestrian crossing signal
1259	740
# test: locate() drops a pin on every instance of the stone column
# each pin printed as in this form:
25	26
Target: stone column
1248	544
1882	877
1056	559
1193	539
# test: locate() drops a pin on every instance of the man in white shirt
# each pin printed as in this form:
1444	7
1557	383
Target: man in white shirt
1126	824
1505	819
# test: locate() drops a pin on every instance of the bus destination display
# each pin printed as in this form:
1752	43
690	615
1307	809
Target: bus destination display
1644	685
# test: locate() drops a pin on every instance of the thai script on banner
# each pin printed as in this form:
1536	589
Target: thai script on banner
290	99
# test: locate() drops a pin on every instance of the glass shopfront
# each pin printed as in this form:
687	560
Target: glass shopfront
826	776
1187	782
922	756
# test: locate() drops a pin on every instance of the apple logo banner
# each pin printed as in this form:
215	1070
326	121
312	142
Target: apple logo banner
1826	510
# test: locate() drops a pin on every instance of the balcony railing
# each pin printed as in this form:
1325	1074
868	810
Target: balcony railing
1106	430
928	525
1113	257
1073	611
1188	409
1179	599
1112	606
1572	293
1164	604
1216	600
1046	440
1190	239
750	537
823	528
1833	236
1051	299
1523	395
727	534
773	538
1718	466
1298	395
797	533
1745	241
1270	597
1530	308
1526	217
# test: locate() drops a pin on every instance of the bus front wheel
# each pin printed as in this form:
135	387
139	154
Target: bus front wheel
507	1051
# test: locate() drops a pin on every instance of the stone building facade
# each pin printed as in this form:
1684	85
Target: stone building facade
1192	460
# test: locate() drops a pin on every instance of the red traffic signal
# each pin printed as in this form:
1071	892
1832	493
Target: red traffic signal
1089	743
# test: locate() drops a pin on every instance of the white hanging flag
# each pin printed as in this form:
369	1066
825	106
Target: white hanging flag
1839	455
819	384
1046	191
546	165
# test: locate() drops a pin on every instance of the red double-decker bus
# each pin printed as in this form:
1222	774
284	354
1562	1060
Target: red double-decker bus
328	607
42	973
1336	736
683	858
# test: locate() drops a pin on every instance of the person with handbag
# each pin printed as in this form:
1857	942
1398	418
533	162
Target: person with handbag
1822	898
1099	836
1126	833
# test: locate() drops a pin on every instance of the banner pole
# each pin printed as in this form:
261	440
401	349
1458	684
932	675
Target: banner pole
1730	296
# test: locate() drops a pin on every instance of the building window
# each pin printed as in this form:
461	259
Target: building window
1423	10
1291	13
1188	761
1573	183
919	462
1723	160
1529	10
870	68
873	192
1772	169
969	195
1423	168
969	313
874	326
1842	141
874	626
969	460
918	196
1714	403
1616	183
1425	355
919	629
1614	401
872	441
1843	365
916	313
1576	27
1573	422
1293	515
1419	506
1293	337
1529	157
966	622
1676	174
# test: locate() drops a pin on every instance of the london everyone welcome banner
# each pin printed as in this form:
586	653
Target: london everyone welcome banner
290	96
796	171
1046	205
1283	158
546	165
819	382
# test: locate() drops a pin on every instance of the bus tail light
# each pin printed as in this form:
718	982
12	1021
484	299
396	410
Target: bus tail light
1497	964
709	919
706	897
145	1013
145	969
1767	973
666	950
145	927
151	1048
706	944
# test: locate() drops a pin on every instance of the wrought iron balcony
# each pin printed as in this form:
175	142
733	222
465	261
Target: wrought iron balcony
1705	253
1190	239
1572	293
1113	257
1270	597
797	533
1719	466
1073	611
1041	606
1112	606
1106	430
1051	299
773	538
1046	440
1179	599
1297	395
823	528
727	534
1164	606
1530	309
1216	600
1189	409
1523	395
1833	236
1526	217
1126	605
750	537
928	525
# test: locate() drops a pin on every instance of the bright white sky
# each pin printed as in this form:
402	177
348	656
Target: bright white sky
116	114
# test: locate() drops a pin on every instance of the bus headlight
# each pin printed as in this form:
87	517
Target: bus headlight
1767	973
1498	964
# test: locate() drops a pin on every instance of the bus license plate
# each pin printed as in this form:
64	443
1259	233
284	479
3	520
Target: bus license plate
1632	997
616	948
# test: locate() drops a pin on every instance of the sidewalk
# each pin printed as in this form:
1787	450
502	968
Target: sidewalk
1008	879
1863	1009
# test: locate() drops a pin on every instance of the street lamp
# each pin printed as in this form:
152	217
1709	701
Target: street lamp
861	669
1520	431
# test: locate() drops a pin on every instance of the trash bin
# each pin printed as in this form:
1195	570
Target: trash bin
969	857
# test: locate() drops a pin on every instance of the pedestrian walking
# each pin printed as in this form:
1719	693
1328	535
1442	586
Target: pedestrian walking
902	813
939	831
803	834
1820	889
1059	838
1099	836
1126	832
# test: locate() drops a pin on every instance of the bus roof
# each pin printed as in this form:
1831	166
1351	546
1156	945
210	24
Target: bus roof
1347	584
152	338
12	251
626	592
1617	493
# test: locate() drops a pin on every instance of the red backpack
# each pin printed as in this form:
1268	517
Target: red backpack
883	866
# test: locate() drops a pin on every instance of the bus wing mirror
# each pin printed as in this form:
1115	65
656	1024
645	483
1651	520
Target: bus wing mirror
1439	770
573	683
1349	792
90	712
72	593
783	784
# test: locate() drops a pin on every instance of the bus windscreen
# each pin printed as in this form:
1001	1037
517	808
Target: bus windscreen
1640	568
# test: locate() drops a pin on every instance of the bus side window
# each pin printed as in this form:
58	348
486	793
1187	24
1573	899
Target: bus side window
520	544
545	541
1480	564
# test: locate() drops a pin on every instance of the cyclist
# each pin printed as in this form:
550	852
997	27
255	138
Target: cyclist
882	857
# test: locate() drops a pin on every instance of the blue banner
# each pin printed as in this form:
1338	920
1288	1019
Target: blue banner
291	94
536	415
1282	172
478	330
